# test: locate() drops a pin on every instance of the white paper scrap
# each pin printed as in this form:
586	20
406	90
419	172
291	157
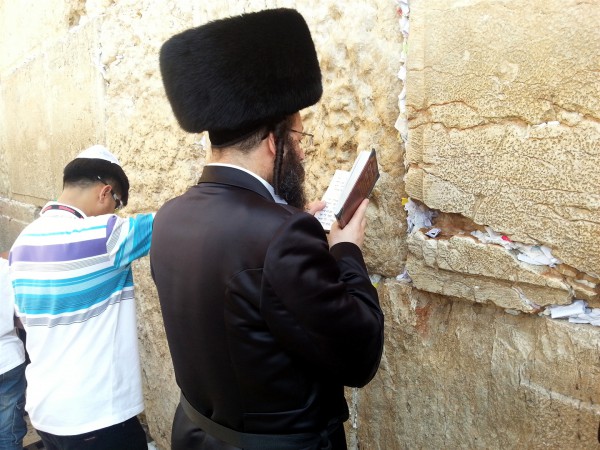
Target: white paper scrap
574	309
433	233
537	255
418	216
404	277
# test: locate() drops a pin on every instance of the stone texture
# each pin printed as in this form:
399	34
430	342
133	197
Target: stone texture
14	216
461	375
503	117
161	394
29	25
161	159
462	267
51	109
486	83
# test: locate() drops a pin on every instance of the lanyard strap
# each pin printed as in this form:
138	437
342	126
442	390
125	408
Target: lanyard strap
63	208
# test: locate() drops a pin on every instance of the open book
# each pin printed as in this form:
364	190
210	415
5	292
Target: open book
348	189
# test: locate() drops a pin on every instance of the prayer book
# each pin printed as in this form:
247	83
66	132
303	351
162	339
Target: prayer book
347	189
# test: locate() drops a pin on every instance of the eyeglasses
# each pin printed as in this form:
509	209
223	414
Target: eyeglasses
114	196
309	141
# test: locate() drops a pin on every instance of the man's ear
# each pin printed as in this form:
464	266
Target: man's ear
271	144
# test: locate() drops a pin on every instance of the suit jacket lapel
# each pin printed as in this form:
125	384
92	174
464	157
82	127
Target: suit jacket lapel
234	177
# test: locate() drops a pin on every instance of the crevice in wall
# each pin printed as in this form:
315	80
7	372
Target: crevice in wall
564	119
583	289
403	10
78	10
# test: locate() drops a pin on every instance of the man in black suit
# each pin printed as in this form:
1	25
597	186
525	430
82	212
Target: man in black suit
267	319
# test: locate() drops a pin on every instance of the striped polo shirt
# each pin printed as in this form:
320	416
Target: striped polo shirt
73	287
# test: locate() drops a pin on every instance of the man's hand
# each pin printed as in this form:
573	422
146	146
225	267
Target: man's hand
314	207
354	231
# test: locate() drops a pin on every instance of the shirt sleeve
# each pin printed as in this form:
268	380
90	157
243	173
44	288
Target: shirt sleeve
128	238
321	304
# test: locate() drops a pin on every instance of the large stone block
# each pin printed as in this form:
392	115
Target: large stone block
461	375
473	62
503	127
533	190
14	216
160	159
357	111
52	108
30	25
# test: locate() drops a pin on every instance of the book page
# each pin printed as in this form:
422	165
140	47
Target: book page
327	215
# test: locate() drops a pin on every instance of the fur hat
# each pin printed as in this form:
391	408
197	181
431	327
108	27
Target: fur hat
97	161
234	75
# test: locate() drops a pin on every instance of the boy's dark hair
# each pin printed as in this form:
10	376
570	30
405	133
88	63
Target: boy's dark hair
85	171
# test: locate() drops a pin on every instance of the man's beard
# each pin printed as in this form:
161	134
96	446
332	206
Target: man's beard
291	180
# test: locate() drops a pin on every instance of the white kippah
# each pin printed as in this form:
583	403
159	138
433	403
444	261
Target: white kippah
99	152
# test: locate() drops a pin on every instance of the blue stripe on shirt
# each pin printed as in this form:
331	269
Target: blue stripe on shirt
55	301
83	281
136	247
54	297
58	233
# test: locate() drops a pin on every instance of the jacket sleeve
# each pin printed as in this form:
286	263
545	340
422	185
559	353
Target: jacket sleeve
321	304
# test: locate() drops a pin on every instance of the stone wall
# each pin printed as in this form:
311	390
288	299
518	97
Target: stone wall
484	113
500	120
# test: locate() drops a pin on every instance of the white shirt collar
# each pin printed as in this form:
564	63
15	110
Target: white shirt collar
54	208
276	197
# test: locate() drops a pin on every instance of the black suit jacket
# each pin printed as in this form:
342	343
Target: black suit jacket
264	322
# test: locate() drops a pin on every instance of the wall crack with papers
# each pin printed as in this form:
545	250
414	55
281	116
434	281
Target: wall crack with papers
483	231
493	323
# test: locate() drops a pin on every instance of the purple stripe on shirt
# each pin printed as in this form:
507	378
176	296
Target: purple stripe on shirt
59	252
110	225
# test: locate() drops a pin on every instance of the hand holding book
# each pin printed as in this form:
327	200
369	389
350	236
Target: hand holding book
348	189
354	231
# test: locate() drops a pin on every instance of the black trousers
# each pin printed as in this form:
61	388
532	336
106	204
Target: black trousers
185	435
128	435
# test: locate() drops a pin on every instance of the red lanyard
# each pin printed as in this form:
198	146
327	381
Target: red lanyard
63	208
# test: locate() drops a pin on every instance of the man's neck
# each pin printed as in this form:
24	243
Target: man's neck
256	161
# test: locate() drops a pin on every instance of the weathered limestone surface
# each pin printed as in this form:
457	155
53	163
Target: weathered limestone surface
28	25
14	216
162	159
504	109
462	267
503	105
161	394
357	44
462	375
51	109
